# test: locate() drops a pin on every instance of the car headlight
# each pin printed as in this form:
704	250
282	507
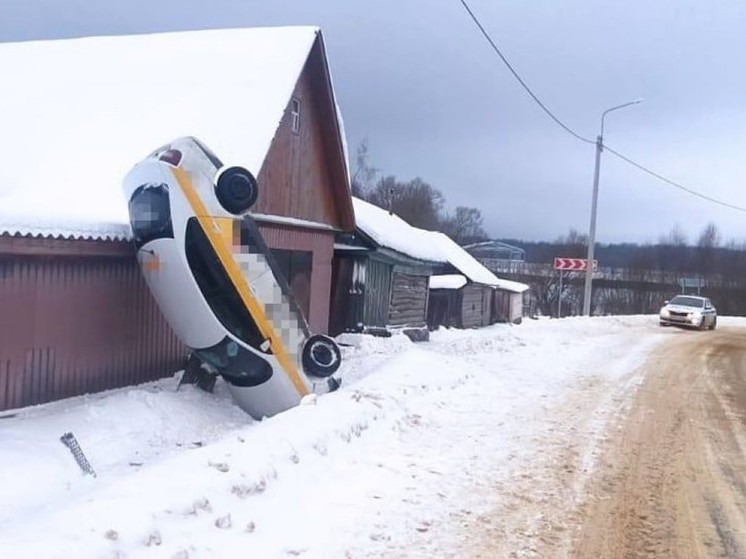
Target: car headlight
665	313
695	317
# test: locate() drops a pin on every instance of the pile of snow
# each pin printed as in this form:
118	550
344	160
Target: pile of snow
420	444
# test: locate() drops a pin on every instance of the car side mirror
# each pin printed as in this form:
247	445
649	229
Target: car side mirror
665	302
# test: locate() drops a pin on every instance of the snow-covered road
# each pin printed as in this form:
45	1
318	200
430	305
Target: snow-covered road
474	443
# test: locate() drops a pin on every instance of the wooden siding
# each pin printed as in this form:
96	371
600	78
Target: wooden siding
507	306
303	175
377	294
72	325
321	245
408	305
476	302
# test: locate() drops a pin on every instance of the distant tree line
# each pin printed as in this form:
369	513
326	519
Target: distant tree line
415	201
707	257
722	266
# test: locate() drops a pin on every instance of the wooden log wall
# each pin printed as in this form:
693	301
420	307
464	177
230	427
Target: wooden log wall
408	305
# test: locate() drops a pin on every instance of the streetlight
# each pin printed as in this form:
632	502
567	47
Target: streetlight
592	233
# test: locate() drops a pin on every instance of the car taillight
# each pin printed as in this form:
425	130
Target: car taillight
171	156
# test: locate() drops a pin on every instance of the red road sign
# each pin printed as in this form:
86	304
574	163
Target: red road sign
573	264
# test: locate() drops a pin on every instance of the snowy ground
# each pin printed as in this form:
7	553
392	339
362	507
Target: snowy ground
421	443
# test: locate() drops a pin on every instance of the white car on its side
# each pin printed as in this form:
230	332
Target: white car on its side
689	310
216	280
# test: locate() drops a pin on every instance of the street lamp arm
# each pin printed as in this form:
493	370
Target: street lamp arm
603	114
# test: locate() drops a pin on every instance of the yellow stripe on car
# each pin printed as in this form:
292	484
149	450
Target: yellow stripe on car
220	241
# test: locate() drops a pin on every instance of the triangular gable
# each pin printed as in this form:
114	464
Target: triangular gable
77	114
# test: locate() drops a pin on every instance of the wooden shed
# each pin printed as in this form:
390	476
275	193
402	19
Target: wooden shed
58	207
457	303
508	301
465	294
377	288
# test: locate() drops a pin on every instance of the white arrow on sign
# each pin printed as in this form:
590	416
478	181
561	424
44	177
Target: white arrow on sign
573	264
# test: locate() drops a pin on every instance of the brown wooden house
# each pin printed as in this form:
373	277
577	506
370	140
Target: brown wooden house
77	316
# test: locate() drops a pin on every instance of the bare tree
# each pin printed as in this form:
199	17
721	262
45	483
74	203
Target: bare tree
416	202
364	177
464	225
572	245
709	241
675	237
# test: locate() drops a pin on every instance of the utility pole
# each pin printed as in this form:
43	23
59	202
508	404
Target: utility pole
594	203
592	232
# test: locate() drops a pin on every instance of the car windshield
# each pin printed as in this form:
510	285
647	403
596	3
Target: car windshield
687	301
150	213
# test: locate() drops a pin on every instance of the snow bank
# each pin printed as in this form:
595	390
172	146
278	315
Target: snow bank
418	443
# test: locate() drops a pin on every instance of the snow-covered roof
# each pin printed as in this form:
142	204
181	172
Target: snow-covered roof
13	223
447	281
462	260
513	286
77	114
391	231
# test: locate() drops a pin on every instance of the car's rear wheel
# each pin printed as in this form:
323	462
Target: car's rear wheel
321	356
236	190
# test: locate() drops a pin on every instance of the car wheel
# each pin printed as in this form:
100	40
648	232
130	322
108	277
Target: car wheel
236	190
714	323
321	356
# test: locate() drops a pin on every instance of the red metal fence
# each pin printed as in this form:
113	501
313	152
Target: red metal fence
76	323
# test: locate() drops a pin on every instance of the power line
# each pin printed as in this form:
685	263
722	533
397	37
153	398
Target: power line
520	80
578	136
673	183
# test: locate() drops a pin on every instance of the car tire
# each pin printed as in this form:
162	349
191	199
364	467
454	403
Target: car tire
714	323
321	356
236	190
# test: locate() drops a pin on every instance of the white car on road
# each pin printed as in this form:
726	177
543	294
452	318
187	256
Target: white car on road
689	310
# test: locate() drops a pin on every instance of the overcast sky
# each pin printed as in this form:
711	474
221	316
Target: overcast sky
421	84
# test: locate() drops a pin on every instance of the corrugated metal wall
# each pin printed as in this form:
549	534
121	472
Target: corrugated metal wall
77	317
321	244
76	324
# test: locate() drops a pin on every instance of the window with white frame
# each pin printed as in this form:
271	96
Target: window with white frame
295	115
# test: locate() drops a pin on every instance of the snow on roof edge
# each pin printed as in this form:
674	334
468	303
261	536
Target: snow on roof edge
512	286
448	281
